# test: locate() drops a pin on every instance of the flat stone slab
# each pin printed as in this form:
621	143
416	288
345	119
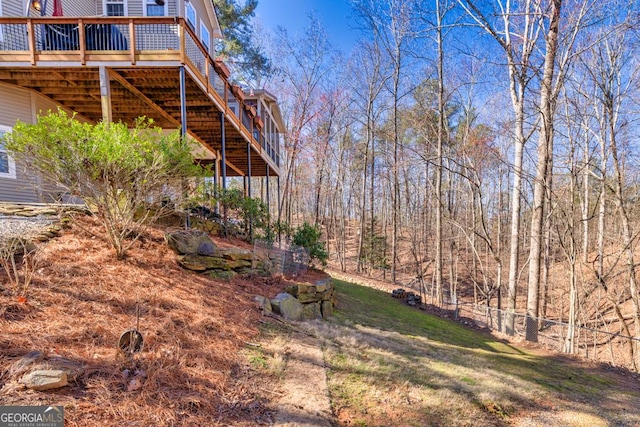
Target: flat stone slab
45	379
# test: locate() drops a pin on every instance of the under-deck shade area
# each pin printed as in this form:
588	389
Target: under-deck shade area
140	60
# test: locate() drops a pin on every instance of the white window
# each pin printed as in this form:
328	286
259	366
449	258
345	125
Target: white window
205	36
191	15
7	165
114	7
155	8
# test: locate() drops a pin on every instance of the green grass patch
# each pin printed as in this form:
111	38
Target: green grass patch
391	364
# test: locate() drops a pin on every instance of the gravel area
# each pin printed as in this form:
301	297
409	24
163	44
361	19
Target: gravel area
13	226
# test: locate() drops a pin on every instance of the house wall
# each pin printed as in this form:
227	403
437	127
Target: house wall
13	7
135	7
17	105
25	105
69	7
175	8
201	16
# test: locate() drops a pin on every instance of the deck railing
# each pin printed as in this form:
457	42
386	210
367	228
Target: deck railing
39	41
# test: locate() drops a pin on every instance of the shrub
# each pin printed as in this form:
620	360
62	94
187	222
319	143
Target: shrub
308	237
251	214
120	173
19	258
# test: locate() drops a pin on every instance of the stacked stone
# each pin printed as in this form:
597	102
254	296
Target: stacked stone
37	223
268	261
199	253
399	293
411	298
28	211
303	301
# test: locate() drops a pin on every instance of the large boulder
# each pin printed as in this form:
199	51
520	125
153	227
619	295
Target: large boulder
288	306
192	242
307	293
203	263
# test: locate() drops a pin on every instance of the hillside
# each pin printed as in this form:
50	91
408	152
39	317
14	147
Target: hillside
82	300
210	358
389	364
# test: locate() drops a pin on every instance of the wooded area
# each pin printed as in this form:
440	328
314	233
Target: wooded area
485	148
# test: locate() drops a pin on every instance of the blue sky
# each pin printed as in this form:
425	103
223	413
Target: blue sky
335	16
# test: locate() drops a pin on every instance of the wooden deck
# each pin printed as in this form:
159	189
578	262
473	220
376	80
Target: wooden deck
61	58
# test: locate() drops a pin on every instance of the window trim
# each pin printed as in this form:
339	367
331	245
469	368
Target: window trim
203	30
187	7
145	3
11	174
124	3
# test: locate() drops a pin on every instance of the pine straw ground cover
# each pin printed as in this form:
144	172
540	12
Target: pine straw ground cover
194	327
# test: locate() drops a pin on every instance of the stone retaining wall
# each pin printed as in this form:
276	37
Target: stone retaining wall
38	223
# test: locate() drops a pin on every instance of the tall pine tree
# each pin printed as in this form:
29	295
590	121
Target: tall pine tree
238	44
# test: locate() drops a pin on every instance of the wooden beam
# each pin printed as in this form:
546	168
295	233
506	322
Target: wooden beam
144	97
233	167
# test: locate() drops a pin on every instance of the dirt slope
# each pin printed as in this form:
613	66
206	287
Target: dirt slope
82	299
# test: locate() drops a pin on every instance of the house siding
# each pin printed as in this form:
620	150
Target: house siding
135	7
70	8
16	105
202	17
13	8
24	105
75	8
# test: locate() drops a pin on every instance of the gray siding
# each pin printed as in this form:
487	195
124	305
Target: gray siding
13	7
202	17
135	7
75	8
24	105
69	7
16	105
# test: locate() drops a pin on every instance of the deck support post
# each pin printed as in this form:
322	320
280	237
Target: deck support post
248	178
183	133
183	103
223	179
268	198
105	94
249	169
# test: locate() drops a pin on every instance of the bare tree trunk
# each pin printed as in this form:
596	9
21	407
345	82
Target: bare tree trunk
544	293
517	56
627	235
545	148
363	222
585	203
440	142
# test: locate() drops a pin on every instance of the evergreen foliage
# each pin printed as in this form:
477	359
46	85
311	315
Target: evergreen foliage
238	43
308	237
